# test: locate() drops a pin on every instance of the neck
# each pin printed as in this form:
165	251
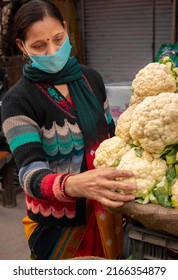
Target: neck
63	89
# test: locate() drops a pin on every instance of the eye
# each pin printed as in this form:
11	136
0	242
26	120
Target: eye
39	47
58	41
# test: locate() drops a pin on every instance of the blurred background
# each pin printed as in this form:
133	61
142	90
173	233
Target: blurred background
116	37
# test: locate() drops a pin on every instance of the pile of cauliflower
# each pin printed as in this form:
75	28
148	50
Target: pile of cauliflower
146	136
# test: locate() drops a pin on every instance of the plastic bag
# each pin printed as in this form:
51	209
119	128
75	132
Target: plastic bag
168	49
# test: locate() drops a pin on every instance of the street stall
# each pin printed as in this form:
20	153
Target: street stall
145	142
154	227
153	215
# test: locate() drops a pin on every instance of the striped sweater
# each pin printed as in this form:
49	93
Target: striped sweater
46	141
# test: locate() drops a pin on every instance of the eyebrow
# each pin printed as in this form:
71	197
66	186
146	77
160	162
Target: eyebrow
60	33
42	40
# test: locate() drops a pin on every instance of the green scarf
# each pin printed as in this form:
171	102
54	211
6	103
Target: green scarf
89	111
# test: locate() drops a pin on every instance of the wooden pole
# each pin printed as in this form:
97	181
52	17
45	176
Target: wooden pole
174	21
153	31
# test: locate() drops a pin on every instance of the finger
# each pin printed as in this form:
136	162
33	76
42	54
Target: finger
112	173
117	185
125	197
124	173
116	196
110	203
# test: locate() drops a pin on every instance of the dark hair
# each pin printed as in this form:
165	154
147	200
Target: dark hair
31	12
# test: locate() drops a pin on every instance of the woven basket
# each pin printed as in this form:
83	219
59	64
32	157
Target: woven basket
152	216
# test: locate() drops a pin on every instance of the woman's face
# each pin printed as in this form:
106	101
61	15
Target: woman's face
44	37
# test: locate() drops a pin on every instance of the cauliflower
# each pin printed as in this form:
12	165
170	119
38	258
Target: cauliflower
174	198
123	124
152	80
110	152
149	130
154	122
147	170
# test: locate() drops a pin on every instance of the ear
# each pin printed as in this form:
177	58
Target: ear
21	47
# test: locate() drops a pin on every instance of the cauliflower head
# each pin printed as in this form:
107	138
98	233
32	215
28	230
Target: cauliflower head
110	151
152	80
174	197
154	122
147	171
123	124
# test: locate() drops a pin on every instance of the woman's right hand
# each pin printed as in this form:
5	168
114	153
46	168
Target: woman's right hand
98	184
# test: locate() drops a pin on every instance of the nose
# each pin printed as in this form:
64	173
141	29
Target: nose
51	48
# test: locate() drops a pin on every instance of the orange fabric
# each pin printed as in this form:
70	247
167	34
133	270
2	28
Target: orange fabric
5	157
102	236
29	226
4	154
111	231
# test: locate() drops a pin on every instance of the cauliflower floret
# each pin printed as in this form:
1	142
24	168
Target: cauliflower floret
110	152
154	122
123	124
152	80
146	169
174	197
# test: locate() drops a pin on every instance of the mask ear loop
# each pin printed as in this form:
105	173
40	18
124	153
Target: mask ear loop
25	55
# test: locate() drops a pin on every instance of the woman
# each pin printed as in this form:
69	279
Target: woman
54	118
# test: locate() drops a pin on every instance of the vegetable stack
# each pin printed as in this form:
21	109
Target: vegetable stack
146	136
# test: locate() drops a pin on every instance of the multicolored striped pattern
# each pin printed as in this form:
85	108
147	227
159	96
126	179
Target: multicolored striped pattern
47	142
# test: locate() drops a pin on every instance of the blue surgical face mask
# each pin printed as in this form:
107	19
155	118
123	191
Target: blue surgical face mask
55	62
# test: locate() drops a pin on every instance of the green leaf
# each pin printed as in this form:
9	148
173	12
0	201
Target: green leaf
134	144
162	188
147	199
174	202
171	159
169	154
115	164
153	198
176	71
176	169
139	200
139	151
170	174
164	200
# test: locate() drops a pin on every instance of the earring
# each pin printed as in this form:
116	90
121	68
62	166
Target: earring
25	55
